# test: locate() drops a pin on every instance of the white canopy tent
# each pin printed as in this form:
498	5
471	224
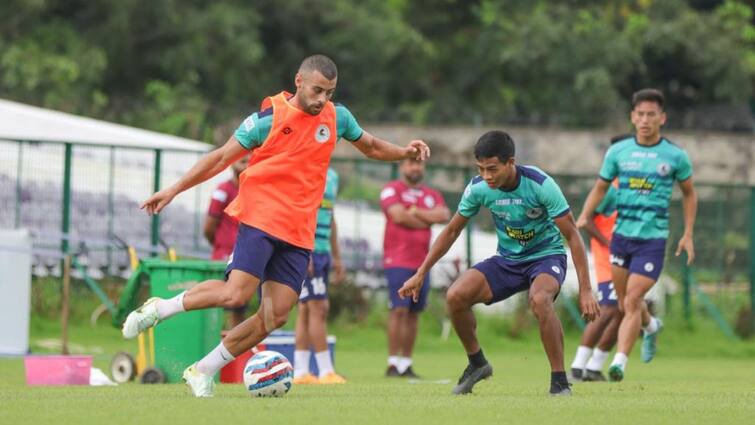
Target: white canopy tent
19	121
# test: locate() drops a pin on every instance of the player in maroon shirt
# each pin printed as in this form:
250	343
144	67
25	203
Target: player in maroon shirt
410	209
220	229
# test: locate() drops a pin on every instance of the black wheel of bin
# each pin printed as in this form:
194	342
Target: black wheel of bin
152	375
123	368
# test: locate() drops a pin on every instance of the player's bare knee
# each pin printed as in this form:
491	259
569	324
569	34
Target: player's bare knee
400	312
455	300
633	303
540	303
235	299
279	318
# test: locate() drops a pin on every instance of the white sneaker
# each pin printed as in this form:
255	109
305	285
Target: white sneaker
201	385
141	319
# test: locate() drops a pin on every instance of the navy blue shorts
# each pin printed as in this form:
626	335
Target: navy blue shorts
641	256
607	294
396	277
268	258
506	278
316	286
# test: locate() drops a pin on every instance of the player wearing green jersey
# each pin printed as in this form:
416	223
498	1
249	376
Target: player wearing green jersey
531	215
646	164
312	321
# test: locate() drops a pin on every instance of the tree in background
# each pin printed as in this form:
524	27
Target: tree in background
193	67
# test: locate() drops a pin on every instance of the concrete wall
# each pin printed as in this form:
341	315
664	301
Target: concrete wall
717	157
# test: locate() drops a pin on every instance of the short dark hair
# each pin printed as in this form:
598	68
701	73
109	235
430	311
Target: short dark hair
320	63
648	95
495	143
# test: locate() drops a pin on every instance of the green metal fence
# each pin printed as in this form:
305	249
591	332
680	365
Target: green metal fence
71	194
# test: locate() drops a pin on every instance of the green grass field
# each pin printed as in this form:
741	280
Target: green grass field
699	377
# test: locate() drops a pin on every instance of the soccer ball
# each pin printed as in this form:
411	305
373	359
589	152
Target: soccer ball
268	374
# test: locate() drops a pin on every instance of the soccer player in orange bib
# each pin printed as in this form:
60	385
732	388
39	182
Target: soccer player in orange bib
293	138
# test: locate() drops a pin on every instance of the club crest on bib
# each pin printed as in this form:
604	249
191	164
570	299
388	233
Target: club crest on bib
322	134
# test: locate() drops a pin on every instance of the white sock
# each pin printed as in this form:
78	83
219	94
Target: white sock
393	361
324	365
215	360
301	362
170	307
403	364
652	327
580	359
620	359
597	359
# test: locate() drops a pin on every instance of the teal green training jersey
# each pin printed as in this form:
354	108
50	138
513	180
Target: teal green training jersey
325	213
523	216
646	177
254	129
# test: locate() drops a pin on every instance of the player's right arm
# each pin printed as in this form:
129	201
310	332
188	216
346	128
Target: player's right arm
439	248
209	166
597	193
608	172
594	233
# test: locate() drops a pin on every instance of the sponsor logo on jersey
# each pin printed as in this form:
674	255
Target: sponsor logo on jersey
429	201
520	235
248	123
640	184
508	201
387	193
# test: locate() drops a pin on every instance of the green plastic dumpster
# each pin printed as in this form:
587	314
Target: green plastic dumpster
184	338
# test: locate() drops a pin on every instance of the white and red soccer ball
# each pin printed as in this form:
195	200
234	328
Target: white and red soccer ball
268	374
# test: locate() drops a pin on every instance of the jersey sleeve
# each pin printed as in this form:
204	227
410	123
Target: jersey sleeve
608	204
469	205
347	125
610	168
684	168
218	202
553	199
389	196
254	129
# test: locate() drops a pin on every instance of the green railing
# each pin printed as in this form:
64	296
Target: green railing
71	192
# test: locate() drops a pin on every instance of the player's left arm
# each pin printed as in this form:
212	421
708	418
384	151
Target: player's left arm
335	252
377	148
587	302
689	207
374	147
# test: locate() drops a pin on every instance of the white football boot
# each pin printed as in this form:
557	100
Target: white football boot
141	319
201	385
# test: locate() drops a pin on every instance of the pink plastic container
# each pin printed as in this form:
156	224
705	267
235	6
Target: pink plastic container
58	370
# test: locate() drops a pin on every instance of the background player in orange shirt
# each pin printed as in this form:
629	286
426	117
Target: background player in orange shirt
277	204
